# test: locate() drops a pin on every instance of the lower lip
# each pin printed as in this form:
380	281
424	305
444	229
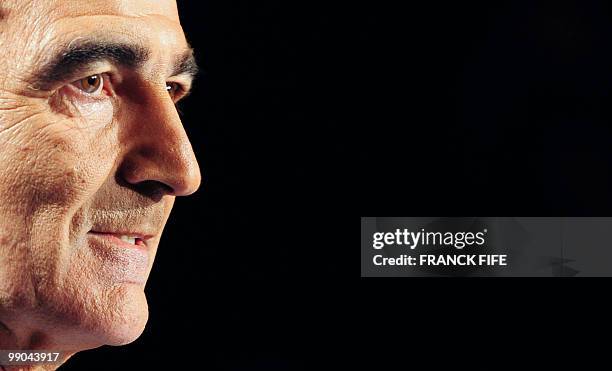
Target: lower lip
121	261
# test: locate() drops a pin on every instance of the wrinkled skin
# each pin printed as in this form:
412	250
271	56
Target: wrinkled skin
71	162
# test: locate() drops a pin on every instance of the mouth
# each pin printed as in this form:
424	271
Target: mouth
123	239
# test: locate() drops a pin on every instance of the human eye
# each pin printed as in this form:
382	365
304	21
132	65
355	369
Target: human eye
76	97
176	90
90	88
91	85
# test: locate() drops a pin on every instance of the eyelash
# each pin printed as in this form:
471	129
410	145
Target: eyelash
105	81
180	91
104	87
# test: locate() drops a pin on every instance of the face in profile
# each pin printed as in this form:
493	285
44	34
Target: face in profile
92	156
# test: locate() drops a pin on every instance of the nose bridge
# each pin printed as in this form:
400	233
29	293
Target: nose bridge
161	150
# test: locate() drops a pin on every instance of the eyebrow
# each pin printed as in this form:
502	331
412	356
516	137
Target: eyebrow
186	64
73	59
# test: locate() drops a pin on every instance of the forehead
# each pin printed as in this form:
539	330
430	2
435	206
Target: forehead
134	8
53	22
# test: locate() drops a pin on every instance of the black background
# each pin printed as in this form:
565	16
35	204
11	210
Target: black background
496	108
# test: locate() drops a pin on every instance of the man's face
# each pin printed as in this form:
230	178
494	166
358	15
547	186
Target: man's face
91	149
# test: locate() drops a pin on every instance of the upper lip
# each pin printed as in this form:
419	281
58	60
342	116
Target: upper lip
141	223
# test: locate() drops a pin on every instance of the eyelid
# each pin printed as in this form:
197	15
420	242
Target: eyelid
97	67
183	79
106	89
184	87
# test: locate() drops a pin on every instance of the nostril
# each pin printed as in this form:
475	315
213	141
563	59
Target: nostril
153	189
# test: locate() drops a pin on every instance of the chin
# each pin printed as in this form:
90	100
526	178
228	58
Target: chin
128	319
90	319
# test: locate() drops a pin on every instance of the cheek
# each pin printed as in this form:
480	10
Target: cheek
50	167
95	113
71	158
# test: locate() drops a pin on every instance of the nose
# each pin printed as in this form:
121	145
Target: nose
159	149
